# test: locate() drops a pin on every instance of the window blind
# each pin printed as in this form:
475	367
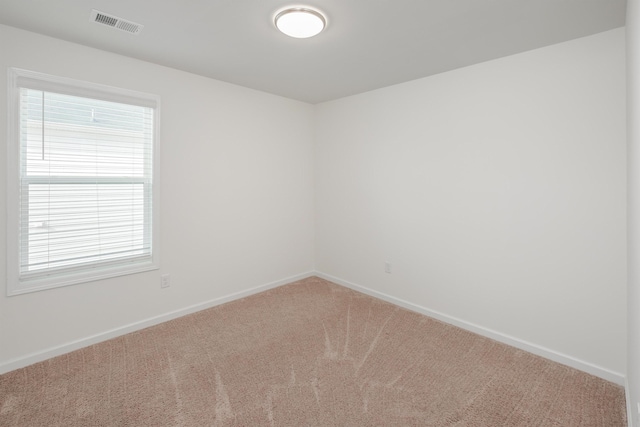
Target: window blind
86	182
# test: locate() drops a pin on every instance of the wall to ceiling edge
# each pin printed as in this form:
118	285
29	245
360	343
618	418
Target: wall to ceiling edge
236	202
496	192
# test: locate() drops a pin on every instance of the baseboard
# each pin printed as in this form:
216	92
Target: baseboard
113	333
564	359
506	339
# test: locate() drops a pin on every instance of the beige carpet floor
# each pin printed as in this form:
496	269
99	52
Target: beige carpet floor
311	353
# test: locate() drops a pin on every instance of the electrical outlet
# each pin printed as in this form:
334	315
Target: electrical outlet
638	408
387	267
165	281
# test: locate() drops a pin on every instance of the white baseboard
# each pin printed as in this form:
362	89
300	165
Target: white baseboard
590	368
564	359
113	333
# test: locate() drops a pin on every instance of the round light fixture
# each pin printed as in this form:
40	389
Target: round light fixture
300	22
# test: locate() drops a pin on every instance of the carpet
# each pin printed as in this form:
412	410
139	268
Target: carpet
310	353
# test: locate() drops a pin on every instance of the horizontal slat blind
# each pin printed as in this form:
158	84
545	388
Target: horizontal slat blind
85	182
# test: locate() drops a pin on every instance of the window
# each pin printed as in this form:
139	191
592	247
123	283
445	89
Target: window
82	182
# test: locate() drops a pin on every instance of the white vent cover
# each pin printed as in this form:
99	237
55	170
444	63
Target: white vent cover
115	22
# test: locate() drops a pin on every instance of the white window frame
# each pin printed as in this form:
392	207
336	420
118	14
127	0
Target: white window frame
19	78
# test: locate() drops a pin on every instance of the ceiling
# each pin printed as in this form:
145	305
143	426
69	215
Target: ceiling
368	44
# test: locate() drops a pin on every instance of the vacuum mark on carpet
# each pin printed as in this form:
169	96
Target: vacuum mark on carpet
328	350
374	343
293	377
346	340
223	407
179	419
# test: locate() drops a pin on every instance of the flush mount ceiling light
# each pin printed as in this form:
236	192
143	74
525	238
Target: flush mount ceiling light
300	22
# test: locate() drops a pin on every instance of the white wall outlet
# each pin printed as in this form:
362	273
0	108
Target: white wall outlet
165	281
387	267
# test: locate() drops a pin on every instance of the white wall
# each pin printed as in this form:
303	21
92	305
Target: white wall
633	183
496	191
237	199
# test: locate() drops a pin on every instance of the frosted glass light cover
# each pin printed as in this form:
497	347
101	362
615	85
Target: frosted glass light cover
300	23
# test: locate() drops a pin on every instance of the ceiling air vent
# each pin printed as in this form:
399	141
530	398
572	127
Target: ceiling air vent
115	22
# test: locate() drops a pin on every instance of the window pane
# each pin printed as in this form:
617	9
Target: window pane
77	224
86	181
65	135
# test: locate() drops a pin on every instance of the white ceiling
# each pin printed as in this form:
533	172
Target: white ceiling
368	44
